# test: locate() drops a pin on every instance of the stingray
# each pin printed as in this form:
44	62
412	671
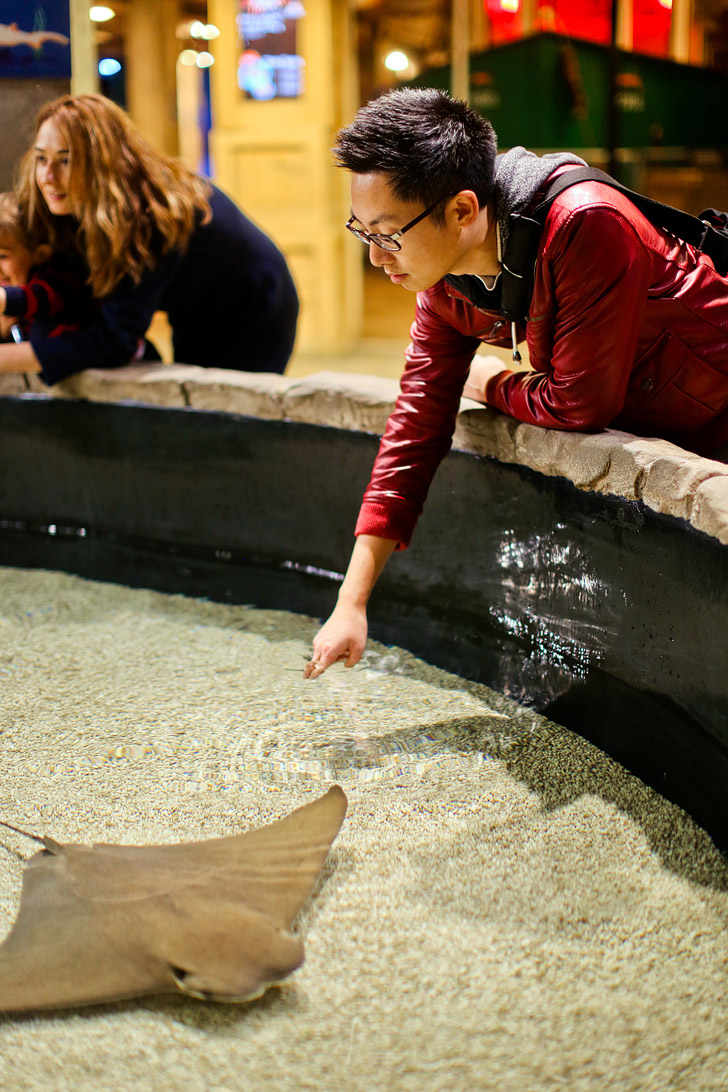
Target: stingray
208	919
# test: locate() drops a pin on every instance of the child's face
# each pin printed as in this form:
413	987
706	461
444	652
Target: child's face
16	262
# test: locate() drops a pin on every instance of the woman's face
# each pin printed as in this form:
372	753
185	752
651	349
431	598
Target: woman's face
52	168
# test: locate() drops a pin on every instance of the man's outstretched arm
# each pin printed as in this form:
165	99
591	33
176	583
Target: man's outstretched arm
344	635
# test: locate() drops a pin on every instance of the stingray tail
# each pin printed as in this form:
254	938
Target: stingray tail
25	833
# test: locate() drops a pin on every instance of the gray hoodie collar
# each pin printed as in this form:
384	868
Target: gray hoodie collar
519	175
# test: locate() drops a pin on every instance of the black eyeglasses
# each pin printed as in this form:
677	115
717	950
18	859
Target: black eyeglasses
388	242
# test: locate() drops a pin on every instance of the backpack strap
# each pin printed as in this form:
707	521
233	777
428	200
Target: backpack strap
707	232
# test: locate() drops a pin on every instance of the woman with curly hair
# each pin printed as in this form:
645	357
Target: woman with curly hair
148	235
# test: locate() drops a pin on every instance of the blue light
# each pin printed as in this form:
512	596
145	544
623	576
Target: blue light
109	66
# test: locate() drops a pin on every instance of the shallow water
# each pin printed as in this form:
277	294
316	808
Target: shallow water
504	908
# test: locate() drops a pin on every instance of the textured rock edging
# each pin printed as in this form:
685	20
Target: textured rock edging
661	475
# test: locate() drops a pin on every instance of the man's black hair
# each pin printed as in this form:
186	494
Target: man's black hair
428	144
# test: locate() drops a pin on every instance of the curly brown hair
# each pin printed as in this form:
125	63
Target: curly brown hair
130	203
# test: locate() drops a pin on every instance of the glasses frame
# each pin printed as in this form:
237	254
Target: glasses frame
389	242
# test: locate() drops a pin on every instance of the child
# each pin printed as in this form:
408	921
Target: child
35	291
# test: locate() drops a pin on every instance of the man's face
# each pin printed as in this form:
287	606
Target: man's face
429	251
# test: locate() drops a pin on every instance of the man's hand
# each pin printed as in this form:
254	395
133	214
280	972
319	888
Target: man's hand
482	369
342	637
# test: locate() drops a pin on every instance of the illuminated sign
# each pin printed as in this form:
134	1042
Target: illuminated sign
269	66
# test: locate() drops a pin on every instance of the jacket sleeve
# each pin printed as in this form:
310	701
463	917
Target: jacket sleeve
111	339
595	274
419	431
26	301
45	295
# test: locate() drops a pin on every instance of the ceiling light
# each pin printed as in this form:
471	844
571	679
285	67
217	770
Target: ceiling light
204	60
188	56
396	61
109	66
197	29
100	14
211	31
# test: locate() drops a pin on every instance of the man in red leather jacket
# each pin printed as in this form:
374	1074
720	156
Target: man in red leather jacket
627	325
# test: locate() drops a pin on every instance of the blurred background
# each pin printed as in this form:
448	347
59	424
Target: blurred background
252	92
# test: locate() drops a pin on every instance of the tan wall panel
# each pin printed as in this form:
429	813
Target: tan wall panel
274	158
284	180
326	300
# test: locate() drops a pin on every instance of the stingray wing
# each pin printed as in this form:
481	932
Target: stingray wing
209	918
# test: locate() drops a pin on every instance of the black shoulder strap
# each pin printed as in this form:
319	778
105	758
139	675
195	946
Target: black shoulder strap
707	232
689	228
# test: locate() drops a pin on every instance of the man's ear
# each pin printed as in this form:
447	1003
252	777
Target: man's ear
42	253
463	209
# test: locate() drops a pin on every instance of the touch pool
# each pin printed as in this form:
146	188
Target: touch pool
505	907
597	610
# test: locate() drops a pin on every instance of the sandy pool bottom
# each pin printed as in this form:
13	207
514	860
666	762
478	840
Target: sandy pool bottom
505	907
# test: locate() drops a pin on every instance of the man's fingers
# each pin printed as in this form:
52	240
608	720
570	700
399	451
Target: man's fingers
355	654
319	663
314	668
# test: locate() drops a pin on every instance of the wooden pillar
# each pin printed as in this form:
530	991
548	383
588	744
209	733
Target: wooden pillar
274	158
84	59
460	50
151	77
479	29
528	16
680	23
625	24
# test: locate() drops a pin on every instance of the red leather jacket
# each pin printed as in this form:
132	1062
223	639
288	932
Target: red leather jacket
628	326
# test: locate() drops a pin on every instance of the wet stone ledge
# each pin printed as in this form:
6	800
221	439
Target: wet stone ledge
661	475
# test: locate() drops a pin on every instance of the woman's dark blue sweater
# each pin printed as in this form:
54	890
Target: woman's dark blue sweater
230	300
